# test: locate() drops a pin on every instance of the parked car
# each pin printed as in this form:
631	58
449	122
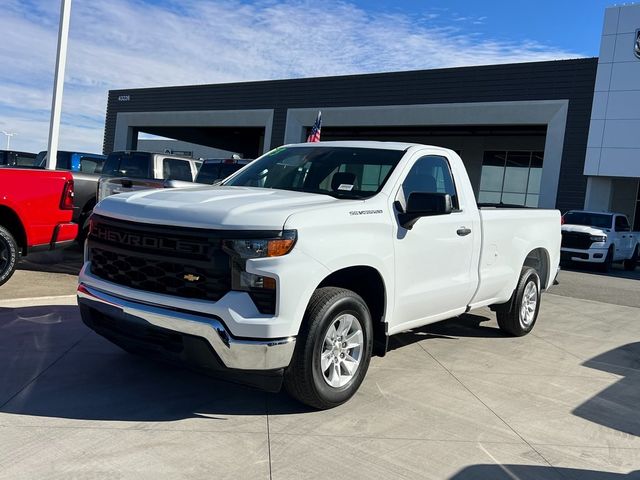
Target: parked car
302	264
215	169
12	158
35	214
128	171
86	169
600	239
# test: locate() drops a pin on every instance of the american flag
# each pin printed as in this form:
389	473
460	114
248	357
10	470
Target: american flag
314	136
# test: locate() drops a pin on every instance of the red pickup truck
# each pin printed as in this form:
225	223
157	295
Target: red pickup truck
35	214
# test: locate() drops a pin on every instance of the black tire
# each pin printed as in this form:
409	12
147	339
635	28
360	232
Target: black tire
9	255
304	378
509	315
608	261
630	265
83	228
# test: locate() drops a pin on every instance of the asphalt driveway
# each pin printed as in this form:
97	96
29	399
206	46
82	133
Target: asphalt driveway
455	400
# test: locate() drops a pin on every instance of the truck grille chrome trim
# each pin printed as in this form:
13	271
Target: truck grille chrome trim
234	353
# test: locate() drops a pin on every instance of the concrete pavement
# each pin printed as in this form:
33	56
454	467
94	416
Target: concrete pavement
455	400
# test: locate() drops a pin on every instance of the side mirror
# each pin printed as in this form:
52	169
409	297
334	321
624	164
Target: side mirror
423	204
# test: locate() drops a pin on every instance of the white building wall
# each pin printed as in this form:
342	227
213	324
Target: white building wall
612	163
613	148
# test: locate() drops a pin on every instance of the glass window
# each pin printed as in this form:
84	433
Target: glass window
91	164
622	224
340	172
209	172
25	159
599	220
430	174
176	169
128	164
511	178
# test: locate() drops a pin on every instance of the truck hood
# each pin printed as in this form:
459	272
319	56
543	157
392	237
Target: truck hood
584	229
241	208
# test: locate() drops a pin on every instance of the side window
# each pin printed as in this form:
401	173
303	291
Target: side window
90	164
622	225
175	169
430	174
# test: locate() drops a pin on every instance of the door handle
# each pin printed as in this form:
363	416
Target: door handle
463	231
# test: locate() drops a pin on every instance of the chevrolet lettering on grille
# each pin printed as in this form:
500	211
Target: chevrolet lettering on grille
102	232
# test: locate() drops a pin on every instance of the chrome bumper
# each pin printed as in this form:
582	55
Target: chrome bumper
234	353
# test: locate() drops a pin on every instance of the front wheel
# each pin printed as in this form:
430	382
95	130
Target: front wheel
518	316
608	261
9	255
333	349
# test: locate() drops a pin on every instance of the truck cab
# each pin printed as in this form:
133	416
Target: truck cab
127	171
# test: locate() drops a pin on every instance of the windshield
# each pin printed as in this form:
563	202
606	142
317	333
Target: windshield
337	171
599	220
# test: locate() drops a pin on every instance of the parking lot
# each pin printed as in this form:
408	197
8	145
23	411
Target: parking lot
454	400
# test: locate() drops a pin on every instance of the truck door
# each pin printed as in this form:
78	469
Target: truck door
625	239
433	259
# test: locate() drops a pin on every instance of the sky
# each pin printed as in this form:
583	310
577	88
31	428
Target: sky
119	44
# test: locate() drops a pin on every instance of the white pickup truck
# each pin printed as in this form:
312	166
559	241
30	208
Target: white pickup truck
600	239
303	263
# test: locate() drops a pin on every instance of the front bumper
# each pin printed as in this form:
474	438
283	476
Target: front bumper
174	333
591	255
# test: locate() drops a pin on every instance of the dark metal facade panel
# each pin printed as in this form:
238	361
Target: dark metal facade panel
573	80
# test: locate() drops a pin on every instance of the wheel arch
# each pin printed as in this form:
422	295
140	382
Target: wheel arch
539	260
367	282
11	221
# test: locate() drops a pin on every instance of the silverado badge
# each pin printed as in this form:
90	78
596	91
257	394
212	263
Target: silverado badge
190	277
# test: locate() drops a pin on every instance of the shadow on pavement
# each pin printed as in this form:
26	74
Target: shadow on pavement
67	260
617	406
467	325
54	366
537	472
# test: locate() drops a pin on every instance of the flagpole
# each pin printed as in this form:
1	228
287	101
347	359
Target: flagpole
58	84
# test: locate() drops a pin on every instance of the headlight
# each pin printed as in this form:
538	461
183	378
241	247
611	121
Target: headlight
261	288
598	238
258	248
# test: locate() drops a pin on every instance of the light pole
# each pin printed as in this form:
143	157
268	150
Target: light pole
9	135
58	84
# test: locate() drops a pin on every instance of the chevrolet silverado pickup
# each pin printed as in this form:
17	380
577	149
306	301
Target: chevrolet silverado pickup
599	239
301	265
35	214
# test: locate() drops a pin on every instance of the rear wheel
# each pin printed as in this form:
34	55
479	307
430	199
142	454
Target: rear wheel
333	349
518	316
630	265
9	255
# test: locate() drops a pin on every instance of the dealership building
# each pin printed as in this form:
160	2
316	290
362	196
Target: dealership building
560	134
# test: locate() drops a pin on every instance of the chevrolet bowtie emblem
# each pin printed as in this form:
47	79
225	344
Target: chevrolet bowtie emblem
190	277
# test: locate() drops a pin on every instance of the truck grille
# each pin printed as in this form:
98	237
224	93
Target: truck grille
184	262
577	240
